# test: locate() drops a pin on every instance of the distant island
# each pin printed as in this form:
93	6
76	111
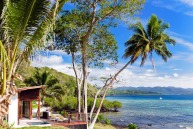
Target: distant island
150	91
113	92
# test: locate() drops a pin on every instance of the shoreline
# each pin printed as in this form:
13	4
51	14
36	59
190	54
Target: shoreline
160	126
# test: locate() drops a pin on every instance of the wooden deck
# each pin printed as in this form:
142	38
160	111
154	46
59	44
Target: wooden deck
67	124
73	122
71	125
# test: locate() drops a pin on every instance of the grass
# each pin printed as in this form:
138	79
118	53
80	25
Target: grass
97	126
102	126
48	127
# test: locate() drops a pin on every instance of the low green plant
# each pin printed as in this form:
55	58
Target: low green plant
107	105
132	126
107	121
100	118
6	125
117	105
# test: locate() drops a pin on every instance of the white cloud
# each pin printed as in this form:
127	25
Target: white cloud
149	70
175	75
55	62
131	76
187	2
166	76
107	68
57	52
181	41
177	69
189	13
180	6
48	60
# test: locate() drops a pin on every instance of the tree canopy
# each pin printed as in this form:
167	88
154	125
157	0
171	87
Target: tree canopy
147	40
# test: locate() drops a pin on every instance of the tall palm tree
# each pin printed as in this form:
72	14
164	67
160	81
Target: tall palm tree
43	78
24	25
141	44
146	41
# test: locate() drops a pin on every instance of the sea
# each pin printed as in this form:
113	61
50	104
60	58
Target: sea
153	111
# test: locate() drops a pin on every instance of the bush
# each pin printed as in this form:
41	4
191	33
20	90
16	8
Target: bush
66	102
100	118
116	105
71	103
90	103
107	121
132	126
107	105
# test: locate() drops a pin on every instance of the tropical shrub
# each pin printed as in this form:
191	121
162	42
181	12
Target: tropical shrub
107	105
132	126
107	121
116	105
100	118
90	103
66	103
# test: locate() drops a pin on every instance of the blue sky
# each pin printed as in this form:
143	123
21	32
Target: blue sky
178	71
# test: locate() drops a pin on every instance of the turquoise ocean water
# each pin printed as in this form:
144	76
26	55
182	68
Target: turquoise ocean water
151	112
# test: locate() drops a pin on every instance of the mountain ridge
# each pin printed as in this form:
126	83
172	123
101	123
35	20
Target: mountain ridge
169	90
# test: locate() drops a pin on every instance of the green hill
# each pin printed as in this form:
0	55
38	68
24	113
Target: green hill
130	92
64	79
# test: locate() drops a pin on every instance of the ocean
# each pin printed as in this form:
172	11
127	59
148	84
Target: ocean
153	111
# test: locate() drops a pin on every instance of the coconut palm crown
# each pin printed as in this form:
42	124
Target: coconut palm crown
147	40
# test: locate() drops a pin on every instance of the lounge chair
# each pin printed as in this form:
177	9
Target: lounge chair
61	118
53	117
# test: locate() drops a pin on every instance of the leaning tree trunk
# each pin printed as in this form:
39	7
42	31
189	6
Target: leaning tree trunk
94	103
98	111
109	82
5	101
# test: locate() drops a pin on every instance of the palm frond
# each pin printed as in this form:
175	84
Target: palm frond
144	42
38	39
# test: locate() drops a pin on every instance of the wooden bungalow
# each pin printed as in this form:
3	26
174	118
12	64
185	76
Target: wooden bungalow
21	104
21	108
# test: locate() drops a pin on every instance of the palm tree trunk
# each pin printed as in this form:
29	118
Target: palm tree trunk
5	101
152	61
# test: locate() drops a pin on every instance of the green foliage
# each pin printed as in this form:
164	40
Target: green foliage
90	103
145	41
85	23
130	92
66	84
69	31
107	121
117	104
132	126
100	118
67	103
41	78
24	27
107	105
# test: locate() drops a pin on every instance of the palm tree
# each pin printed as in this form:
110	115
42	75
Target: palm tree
43	78
145	42
24	25
141	44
